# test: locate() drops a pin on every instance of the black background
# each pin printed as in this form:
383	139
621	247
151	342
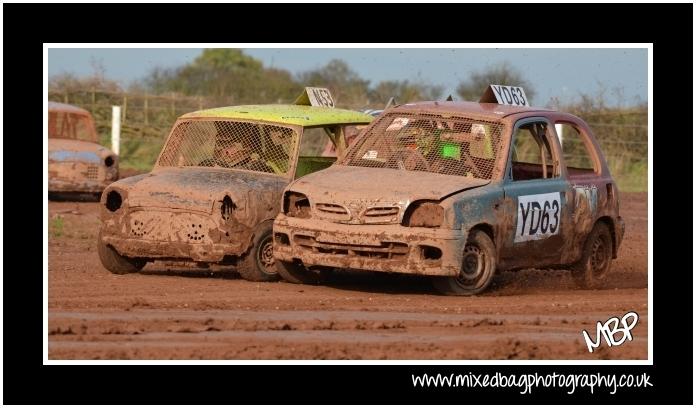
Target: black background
26	27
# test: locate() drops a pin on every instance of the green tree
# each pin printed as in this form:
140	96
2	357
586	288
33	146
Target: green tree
502	74
346	86
67	82
278	86
227	75
404	91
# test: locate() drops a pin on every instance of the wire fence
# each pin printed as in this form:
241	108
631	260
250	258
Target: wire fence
147	119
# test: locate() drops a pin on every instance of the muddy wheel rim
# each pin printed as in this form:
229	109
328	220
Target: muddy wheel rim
599	258
265	256
473	267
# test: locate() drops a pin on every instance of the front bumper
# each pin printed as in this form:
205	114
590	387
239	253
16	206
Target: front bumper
82	186
142	248
171	234
386	248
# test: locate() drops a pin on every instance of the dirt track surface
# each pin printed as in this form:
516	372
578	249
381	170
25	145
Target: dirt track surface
172	312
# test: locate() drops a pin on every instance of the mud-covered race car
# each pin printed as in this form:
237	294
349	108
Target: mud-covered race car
217	184
76	162
457	190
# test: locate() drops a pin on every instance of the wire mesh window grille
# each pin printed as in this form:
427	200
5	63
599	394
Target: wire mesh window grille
430	143
230	144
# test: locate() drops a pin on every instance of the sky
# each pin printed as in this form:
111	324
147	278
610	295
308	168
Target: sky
562	72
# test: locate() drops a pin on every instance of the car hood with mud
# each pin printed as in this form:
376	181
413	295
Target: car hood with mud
199	190
358	195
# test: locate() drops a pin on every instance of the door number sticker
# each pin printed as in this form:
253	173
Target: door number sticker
538	216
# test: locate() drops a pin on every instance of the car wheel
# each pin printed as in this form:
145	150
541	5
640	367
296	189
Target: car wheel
258	264
115	262
591	271
477	270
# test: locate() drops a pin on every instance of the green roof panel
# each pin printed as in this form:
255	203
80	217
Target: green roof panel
289	114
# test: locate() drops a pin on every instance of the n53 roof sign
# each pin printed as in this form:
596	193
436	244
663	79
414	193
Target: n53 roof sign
315	97
320	97
506	95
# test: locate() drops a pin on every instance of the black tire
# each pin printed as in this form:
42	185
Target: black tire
257	264
115	262
294	272
477	271
591	271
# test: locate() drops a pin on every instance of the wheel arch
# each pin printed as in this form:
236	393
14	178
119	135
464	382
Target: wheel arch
485	227
609	222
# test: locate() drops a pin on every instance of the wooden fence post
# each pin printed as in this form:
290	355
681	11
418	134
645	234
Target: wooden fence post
123	111
145	110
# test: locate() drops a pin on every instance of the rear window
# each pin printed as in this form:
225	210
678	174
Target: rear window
575	149
230	144
429	143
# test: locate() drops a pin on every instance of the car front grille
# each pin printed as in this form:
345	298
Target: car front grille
385	250
93	172
333	212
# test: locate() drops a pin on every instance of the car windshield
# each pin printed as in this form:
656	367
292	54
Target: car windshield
230	144
429	143
65	125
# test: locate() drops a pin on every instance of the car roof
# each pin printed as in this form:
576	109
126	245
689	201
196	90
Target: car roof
301	115
493	110
64	107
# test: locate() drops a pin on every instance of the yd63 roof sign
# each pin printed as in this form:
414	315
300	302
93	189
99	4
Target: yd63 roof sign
505	95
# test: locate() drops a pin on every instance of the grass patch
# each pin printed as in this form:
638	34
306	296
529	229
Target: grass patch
56	226
140	153
630	175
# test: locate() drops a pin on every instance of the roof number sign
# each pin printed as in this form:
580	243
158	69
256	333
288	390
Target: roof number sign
320	97
312	96
505	95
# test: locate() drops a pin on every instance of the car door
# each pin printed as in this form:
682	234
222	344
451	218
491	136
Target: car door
536	192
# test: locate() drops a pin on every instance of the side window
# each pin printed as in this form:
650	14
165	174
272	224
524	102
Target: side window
350	133
315	154
314	141
532	155
576	153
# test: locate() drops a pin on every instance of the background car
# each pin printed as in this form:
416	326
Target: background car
76	162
